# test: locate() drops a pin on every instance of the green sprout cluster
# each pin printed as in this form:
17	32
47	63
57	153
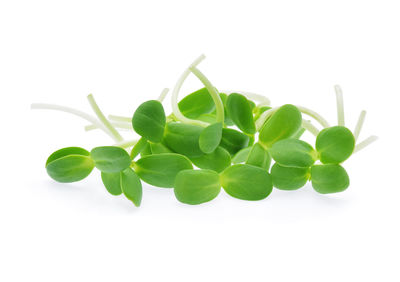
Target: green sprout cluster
212	139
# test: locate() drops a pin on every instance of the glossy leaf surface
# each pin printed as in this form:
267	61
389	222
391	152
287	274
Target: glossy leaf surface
329	178
293	153
217	160
110	158
335	144
233	141
241	156
246	182
210	137
183	138
289	178
196	186
160	170
240	111
112	182
284	123
131	186
197	103
149	120
258	156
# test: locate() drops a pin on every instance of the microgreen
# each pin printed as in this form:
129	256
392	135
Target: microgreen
232	137
196	186
69	164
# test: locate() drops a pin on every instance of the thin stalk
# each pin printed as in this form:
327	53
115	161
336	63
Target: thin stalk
219	107
365	143
126	143
299	133
163	95
120	118
122	125
314	115
175	92
339	105
359	124
103	119
310	127
75	112
263	117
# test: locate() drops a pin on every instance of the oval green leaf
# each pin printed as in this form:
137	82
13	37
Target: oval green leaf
284	123
329	178
183	138
293	153
110	158
197	103
149	120
335	144
160	170
210	137
195	187
217	160
240	111
233	141
241	156
258	156
131	186
112	182
69	164
246	182
289	178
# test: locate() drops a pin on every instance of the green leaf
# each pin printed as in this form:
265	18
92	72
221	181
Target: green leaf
293	153
160	170
241	113
183	138
112	182
146	150
159	148
195	187
284	123
258	111
209	118
197	103
258	156
228	121
335	144
210	137
289	178
233	141
131	186
329	178
149	120
241	156
110	158
217	160
69	164
246	182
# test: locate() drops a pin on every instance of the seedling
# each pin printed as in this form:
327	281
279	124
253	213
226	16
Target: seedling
212	140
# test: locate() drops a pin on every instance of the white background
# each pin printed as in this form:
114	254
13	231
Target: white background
126	52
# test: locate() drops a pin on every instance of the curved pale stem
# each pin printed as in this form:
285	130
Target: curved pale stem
219	107
175	92
310	127
339	105
263	117
73	111
163	95
122	125
103	119
314	115
126	143
120	118
359	124
365	143
264	101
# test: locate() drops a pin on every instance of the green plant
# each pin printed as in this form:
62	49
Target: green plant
232	137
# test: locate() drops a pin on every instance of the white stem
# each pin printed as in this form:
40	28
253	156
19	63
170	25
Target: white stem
219	107
127	143
263	117
359	125
264	101
365	143
73	111
163	95
310	127
120	118
314	115
175	92
122	125
103	119
339	105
